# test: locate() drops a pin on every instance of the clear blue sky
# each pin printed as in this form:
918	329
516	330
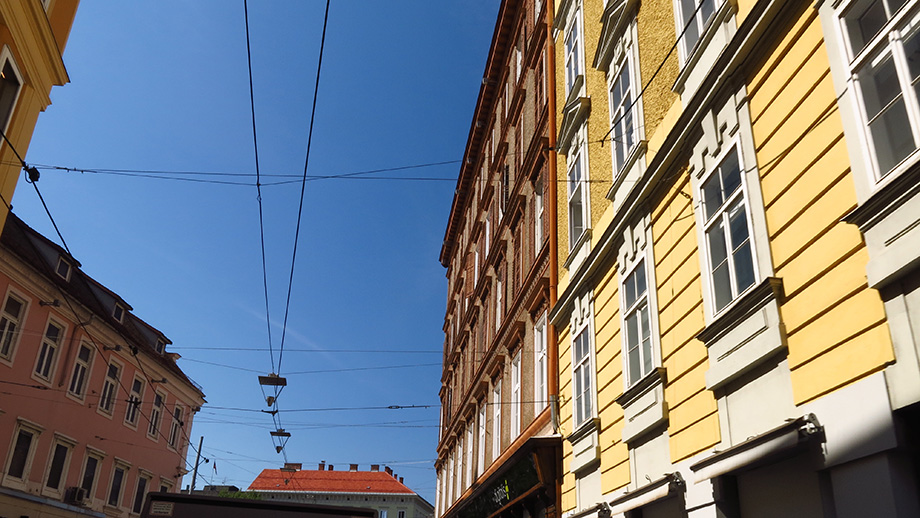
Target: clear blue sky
164	86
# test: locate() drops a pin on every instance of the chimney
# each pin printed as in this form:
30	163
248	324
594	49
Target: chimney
352	467
293	466
400	480
322	465
375	467
388	470
331	467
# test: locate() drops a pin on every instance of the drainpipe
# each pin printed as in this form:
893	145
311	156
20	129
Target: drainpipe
552	343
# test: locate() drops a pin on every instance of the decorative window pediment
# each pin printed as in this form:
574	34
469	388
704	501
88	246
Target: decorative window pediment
616	18
574	114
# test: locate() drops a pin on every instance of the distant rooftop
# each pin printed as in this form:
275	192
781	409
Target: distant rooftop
327	480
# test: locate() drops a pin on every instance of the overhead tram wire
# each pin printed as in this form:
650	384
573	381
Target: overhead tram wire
255	145
303	186
33	178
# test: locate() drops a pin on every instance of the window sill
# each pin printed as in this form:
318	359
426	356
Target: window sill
579	252
644	406
627	170
586	451
744	335
887	220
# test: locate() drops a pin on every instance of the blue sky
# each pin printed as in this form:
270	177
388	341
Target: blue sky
164	86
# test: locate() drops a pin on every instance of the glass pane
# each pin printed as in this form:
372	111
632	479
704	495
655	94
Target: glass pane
737	224
692	31
89	475
20	454
721	286
13	307
57	466
731	174
633	364
640	279
707	9
647	356
892	137
717	252
879	83
630	290
744	267
864	22
632	331
84	353
712	195
912	51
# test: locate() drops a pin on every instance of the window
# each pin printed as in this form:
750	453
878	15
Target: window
577	212
481	452
496	420
499	293
400	514
886	73
383	513
58	463
540	393
80	372
623	134
581	373
143	481
10	87
90	472
154	429
694	15
63	269
20	458
10	317
165	487
161	346
118	312
573	57
175	428
638	335
47	353
469	454
516	395
118	479
727	231
110	388
134	402
538	208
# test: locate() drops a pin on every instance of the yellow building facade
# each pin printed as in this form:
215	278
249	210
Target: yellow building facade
738	251
33	34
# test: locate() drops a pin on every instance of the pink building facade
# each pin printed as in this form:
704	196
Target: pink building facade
94	412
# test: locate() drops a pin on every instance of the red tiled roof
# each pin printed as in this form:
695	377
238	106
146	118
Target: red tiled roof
328	481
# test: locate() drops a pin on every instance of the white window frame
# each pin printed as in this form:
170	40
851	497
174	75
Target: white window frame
124	467
578	187
540	365
156	415
699	24
67	267
888	41
740	196
68	444
496	419
11	338
135	399
515	414
648	357
574	49
481	450
175	427
625	65
469	454
137	504
584	383
98	456
80	374
47	359
109	395
539	209
118	312
6	57
33	429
